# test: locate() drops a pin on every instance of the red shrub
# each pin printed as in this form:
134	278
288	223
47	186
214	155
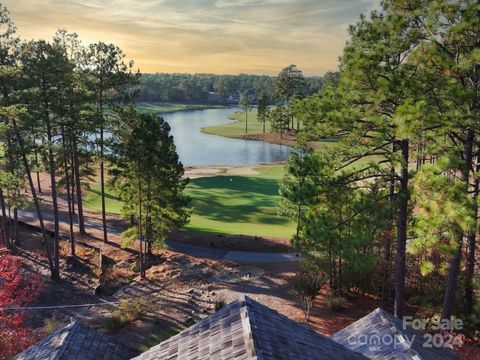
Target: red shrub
16	290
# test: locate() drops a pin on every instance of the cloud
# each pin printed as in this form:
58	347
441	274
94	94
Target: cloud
222	36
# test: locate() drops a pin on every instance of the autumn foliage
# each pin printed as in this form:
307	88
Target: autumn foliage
16	290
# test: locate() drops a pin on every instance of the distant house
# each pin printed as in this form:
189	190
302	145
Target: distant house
234	98
214	98
247	330
380	335
74	342
237	95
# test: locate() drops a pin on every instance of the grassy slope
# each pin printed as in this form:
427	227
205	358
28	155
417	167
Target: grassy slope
227	204
163	107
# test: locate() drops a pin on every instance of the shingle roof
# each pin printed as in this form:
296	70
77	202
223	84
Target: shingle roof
380	335
77	342
244	330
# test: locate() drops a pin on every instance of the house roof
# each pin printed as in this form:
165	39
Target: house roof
74	342
380	335
244	330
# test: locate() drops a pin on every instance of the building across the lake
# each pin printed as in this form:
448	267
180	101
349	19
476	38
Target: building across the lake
248	330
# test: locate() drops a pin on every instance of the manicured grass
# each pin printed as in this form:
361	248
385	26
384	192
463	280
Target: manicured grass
237	128
163	107
227	204
239	205
93	200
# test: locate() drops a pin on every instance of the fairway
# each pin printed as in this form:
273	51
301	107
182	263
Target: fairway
93	200
226	204
237	129
239	205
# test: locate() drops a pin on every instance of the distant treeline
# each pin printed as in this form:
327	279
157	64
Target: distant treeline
210	88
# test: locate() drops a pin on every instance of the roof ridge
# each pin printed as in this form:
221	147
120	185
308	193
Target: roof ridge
383	315
74	325
248	321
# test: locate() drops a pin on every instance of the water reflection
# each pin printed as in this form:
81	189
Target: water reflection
198	149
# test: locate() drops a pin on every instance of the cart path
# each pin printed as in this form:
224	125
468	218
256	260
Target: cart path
30	217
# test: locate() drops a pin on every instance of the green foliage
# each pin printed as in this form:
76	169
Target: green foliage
148	176
444	209
262	112
279	118
195	88
290	83
128	311
405	95
299	185
13	188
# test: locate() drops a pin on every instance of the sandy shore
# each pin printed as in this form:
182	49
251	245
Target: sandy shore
206	171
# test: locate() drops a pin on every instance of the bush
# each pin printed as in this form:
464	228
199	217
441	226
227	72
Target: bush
307	285
220	302
127	312
51	324
337	303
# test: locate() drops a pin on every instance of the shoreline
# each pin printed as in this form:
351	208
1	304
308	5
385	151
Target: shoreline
287	138
189	107
196	172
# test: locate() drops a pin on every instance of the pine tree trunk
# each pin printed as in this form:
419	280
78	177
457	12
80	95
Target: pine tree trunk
102	185
403	199
472	244
72	173
451	285
69	197
470	271
148	223
34	198
387	255
51	163
15	227
246	121
78	185
39	186
454	269
140	231
4	215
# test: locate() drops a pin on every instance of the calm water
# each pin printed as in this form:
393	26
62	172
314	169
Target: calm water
196	148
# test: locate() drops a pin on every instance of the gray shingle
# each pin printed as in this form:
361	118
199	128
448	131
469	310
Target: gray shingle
380	335
76	341
245	330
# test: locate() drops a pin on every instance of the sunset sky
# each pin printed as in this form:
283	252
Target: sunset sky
217	36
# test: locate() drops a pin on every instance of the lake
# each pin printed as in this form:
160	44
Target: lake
198	149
